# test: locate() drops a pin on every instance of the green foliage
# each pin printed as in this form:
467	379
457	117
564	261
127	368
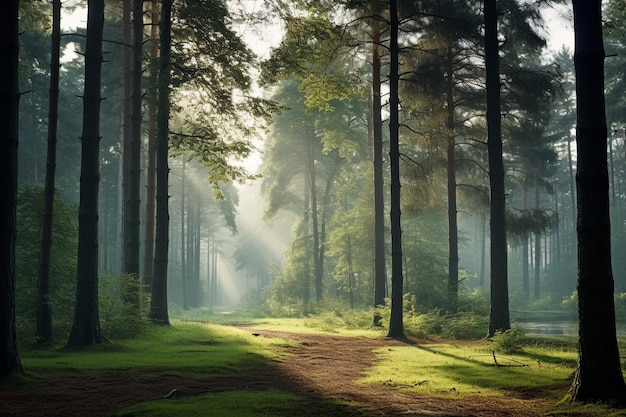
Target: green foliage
211	75
509	341
460	326
425	254
524	223
290	292
310	52
339	318
62	266
620	306
120	319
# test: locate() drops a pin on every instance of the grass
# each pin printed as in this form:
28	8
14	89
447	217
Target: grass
346	324
541	370
270	403
189	348
469	369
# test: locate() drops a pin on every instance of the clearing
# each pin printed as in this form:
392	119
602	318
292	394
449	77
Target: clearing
316	366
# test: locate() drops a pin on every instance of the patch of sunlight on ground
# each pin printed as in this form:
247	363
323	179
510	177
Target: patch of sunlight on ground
469	369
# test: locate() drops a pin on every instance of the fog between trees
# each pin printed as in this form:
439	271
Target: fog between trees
298	235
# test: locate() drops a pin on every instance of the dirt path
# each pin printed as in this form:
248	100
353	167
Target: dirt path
319	367
327	367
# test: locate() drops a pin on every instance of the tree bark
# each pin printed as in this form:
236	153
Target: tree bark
158	303
314	218
86	327
499	314
9	116
132	206
44	306
598	376
483	249
183	242
525	249
196	244
126	109
148	264
396	326
306	292
537	288
572	186
453	238
380	270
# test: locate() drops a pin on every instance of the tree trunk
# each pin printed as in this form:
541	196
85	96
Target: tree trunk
127	33
453	240
598	376
572	185
86	327
148	264
612	166
380	270
158	303
44	306
306	293
556	234
314	220
537	252
132	206
396	326
9	115
209	271
322	239
183	241
196	256
483	244
214	275
499	314
525	249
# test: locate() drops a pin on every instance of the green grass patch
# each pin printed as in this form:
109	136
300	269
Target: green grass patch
270	403
469	369
196	349
219	315
348	323
537	369
318	324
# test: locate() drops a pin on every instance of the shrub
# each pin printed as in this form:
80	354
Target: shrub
120	319
62	265
509	341
461	326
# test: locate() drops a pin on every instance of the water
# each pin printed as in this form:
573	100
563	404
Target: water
566	328
552	329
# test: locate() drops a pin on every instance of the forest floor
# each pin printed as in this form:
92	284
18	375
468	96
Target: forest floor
318	366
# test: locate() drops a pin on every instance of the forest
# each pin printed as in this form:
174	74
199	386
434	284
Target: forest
352	207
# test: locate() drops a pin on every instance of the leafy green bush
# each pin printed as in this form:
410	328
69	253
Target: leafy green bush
334	319
475	301
62	265
460	326
509	341
120	319
620	306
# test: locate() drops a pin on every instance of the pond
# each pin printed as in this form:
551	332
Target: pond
558	328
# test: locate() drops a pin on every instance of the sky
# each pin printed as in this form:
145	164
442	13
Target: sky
559	26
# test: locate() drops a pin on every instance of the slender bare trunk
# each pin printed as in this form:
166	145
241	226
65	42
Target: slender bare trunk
44	306
396	325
